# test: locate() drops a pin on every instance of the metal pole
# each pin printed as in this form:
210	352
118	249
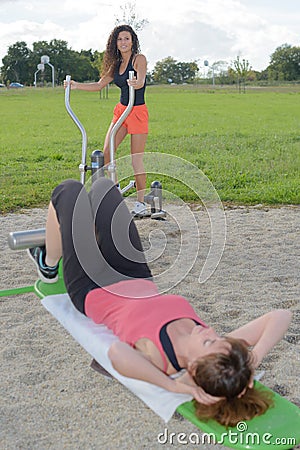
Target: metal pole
82	166
20	240
52	69
35	78
117	125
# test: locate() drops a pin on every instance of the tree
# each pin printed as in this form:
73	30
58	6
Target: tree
20	63
130	17
186	72
16	64
262	76
242	70
285	63
220	69
164	70
80	67
231	75
169	70
98	61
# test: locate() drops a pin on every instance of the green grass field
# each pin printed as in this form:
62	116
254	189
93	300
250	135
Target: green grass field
248	145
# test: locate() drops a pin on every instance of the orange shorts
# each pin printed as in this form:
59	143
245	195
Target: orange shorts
136	122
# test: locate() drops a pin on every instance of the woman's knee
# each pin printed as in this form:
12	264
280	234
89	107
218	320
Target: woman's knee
66	192
100	188
138	163
102	183
104	195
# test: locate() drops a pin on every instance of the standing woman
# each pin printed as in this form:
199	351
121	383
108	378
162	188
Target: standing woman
121	56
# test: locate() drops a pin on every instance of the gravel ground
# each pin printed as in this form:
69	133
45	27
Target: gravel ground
51	399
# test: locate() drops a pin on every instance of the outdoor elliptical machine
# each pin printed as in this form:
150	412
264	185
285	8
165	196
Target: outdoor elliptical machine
21	240
154	198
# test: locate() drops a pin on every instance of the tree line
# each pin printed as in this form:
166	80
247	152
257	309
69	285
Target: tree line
21	63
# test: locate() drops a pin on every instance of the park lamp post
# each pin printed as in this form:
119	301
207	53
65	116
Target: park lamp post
206	63
46	60
39	67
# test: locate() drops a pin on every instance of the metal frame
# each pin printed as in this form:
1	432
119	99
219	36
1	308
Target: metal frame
82	166
112	165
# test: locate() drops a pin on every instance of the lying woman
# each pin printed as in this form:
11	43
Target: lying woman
162	340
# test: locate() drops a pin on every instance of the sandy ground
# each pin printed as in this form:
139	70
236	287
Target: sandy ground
49	396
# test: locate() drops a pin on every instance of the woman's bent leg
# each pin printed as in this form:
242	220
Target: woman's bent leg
64	199
138	143
53	238
117	235
100	242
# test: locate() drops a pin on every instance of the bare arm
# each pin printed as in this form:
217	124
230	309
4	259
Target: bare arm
133	364
91	87
264	332
140	66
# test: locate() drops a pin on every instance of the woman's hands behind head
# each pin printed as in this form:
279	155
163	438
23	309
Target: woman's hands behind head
197	392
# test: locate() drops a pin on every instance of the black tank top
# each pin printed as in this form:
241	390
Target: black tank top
168	346
121	82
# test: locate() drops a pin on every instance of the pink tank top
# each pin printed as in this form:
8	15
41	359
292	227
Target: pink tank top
134	309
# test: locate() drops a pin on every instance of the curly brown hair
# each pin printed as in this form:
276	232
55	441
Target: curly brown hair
228	376
112	55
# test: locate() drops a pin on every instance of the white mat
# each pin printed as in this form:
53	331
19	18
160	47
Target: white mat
96	340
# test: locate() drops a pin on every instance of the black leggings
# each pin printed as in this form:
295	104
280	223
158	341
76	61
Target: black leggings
100	242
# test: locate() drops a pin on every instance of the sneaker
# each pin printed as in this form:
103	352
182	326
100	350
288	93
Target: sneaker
46	273
140	210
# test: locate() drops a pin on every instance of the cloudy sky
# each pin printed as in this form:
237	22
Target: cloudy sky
187	30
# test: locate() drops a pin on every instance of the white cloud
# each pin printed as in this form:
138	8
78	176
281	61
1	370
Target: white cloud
189	30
